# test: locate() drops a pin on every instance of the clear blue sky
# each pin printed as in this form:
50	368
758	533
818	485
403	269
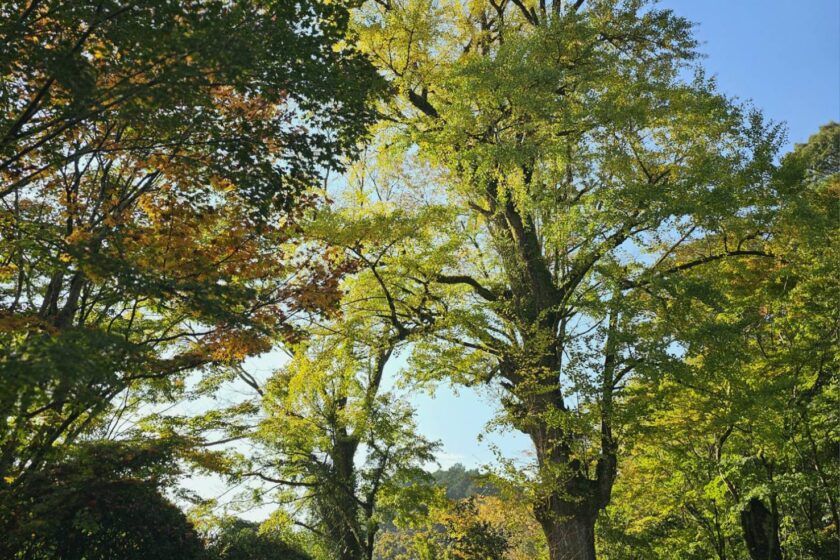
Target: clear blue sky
784	56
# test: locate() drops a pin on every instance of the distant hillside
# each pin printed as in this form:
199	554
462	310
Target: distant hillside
462	483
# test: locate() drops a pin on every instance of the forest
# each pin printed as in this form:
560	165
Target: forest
550	202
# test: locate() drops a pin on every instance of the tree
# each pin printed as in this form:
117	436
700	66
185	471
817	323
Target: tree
237	539
330	433
452	530
344	445
466	536
102	500
154	160
195	83
513	514
485	527
461	483
578	162
749	421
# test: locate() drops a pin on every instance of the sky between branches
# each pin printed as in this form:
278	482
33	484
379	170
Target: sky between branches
783	55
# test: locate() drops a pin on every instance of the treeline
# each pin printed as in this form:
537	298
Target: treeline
532	199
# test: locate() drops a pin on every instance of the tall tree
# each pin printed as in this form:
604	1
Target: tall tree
154	159
579	161
331	433
748	420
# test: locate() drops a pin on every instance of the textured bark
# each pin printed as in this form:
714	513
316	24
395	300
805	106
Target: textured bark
340	510
573	494
573	539
761	531
568	513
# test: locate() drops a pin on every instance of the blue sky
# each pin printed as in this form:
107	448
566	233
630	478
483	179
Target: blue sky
784	57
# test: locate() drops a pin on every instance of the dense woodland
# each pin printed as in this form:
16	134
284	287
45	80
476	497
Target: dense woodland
547	201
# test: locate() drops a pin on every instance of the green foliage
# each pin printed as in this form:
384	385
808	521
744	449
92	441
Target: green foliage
546	208
199	81
467	537
338	445
237	539
485	527
746	430
585	174
461	483
348	447
154	161
102	500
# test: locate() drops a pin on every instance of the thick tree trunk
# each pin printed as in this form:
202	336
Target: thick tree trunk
340	510
761	531
571	494
570	538
574	497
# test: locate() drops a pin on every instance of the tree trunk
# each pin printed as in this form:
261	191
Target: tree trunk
761	531
571	494
570	538
340	510
573	500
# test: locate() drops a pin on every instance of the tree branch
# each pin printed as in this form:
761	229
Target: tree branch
486	293
628	284
421	102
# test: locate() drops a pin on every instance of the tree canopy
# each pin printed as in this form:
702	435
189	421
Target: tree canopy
586	176
547	200
156	157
